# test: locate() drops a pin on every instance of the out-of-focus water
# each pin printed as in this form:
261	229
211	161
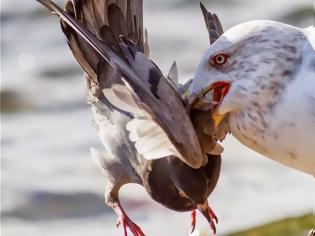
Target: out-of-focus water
50	186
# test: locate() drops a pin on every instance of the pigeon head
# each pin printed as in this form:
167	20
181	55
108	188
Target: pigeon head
252	61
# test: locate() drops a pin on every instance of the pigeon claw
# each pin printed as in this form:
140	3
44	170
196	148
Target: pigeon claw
213	215
193	221
124	221
213	220
210	216
212	224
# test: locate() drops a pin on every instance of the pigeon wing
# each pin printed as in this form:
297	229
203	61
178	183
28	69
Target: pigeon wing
161	126
213	24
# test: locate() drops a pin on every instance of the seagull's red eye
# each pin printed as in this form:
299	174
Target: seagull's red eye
219	59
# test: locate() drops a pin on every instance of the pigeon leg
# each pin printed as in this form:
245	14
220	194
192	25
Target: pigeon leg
193	221
111	199
213	215
118	175
210	215
126	222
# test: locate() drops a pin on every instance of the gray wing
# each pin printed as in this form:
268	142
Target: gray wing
161	126
213	24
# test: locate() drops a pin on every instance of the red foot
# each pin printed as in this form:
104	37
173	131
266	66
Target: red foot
213	220
210	215
126	222
213	215
193	221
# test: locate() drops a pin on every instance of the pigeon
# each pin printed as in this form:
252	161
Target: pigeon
151	134
262	75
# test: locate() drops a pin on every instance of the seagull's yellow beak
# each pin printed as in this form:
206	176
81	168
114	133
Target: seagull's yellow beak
220	89
217	118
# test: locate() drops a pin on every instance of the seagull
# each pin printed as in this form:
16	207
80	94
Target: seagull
262	74
151	134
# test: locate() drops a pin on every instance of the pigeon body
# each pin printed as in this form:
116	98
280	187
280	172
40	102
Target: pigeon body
146	130
269	68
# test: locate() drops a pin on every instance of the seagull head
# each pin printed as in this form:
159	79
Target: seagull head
248	64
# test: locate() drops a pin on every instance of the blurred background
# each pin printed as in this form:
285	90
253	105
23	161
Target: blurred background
50	185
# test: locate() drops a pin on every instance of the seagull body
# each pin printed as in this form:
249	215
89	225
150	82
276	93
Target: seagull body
269	68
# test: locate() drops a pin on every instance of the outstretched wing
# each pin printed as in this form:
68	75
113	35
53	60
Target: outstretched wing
133	83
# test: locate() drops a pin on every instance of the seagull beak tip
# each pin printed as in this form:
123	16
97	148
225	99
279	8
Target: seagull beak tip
217	118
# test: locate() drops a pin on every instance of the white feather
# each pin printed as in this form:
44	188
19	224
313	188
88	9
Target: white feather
98	158
120	97
150	139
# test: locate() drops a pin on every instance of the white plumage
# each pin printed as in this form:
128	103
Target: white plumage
271	100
